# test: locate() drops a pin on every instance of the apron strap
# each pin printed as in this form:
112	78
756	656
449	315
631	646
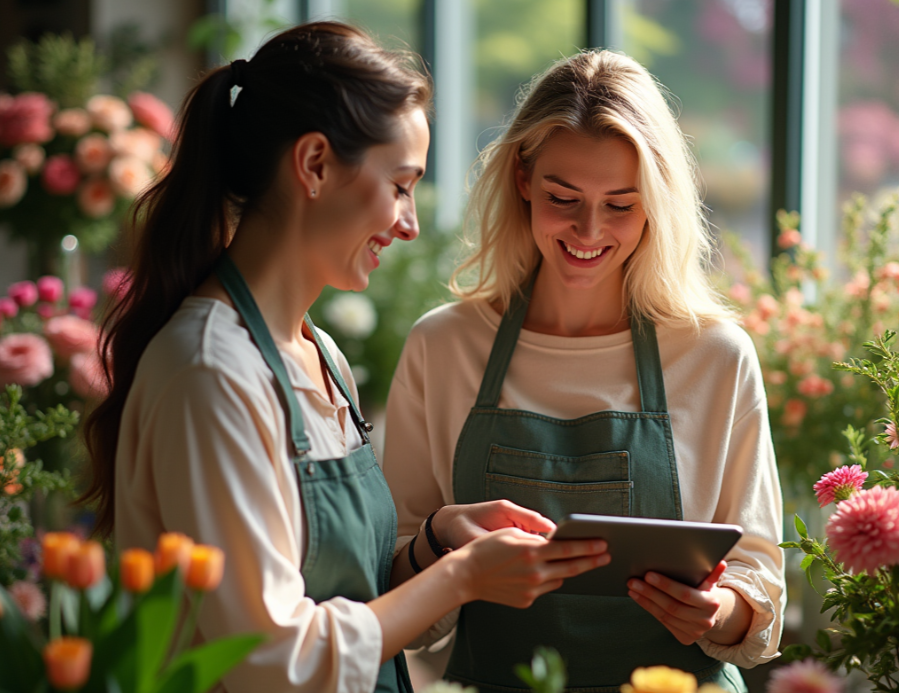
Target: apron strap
649	366
364	426
239	292
504	346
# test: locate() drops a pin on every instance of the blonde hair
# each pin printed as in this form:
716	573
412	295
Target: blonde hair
596	94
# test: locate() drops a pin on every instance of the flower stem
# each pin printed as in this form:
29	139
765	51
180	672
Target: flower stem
189	627
55	610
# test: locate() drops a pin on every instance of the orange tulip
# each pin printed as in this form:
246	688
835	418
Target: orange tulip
207	563
172	549
136	567
87	565
57	547
68	662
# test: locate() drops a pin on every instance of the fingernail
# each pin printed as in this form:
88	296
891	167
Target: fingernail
600	546
634	585
652	579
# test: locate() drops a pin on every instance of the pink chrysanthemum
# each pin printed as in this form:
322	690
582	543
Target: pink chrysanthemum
864	531
892	438
29	598
808	676
839	484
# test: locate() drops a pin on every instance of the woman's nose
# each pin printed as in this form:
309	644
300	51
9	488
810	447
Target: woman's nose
590	227
406	226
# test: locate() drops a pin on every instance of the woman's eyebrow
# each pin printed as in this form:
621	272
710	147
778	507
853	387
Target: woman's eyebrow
565	184
417	170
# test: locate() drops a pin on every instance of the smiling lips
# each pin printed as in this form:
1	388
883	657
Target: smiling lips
375	247
583	254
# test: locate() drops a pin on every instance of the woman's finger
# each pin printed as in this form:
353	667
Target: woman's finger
686	633
701	611
572	548
678	591
713	577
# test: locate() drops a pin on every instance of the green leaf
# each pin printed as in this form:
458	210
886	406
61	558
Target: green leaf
790	545
806	562
800	527
22	666
823	640
795	653
207	664
156	616
523	671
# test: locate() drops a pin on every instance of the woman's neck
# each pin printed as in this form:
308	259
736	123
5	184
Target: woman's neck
566	311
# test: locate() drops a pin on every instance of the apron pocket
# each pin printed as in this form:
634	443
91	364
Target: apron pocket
555	499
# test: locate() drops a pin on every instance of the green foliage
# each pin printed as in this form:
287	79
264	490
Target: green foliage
132	62
64	69
547	672
223	36
20	478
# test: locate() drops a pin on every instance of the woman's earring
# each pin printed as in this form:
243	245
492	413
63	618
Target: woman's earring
312	193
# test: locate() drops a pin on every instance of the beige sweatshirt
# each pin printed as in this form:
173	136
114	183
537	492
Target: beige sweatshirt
716	399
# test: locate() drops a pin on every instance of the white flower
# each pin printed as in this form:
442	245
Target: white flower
447	687
353	314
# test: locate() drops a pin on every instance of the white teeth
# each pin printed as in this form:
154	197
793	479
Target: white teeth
582	255
375	247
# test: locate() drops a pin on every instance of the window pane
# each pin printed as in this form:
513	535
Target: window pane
387	20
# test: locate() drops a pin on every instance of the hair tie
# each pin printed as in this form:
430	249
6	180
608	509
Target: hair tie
238	72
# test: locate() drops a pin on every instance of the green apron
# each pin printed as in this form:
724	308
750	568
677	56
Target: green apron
609	463
350	515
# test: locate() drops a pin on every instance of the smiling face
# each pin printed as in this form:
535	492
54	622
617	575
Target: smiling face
371	205
586	212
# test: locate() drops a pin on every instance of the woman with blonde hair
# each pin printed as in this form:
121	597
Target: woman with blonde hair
590	367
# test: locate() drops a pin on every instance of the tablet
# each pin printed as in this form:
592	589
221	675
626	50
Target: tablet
684	551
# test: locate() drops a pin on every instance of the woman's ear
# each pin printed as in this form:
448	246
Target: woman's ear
311	158
522	180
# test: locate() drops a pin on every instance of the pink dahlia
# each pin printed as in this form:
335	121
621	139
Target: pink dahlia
892	438
839	484
25	359
69	335
60	175
808	676
23	293
864	531
29	599
50	288
82	299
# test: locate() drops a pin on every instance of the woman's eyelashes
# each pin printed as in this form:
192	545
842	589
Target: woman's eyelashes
565	202
405	192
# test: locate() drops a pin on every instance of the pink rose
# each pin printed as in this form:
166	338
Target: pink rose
794	412
8	308
13	183
72	122
128	175
25	359
23	293
139	143
50	289
93	153
767	306
70	335
96	198
86	376
815	386
153	113
61	175
82	298
116	282
109	113
890	271
30	157
741	294
789	238
46	310
25	118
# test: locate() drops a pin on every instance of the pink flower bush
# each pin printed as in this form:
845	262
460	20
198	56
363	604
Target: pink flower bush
50	289
129	175
30	157
86	376
892	439
72	122
60	175
96	198
139	143
815	386
153	113
807	676
82	298
8	307
789	238
794	413
29	599
13	182
839	484
23	293
25	119
25	359
864	531
70	335
93	153
109	113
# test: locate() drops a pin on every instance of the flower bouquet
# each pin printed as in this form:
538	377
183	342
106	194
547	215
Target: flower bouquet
860	555
71	162
122	634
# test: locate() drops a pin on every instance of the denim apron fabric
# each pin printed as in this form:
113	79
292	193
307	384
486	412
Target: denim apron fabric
350	515
608	463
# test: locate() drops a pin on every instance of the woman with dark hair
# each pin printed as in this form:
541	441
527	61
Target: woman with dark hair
233	420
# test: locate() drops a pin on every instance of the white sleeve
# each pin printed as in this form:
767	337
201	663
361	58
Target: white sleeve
751	498
216	469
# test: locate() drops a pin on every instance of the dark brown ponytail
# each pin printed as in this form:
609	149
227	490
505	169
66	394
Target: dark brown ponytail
323	77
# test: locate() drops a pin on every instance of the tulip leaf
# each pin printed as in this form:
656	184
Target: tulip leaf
114	657
22	666
207	663
156	616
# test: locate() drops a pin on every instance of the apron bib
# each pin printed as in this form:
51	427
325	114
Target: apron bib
608	463
350	515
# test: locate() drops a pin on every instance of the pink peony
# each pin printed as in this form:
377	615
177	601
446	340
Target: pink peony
808	676
13	182
86	376
25	119
139	143
96	198
153	113
815	386
70	335
890	271
50	289
892	439
741	294
72	122
23	293
839	484
8	307
29	598
109	113
116	282
789	238
864	531
61	175
794	413
767	306
129	175
93	153
82	298
25	359
30	157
